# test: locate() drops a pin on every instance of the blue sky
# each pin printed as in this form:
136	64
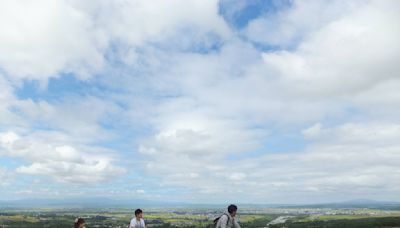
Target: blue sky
200	101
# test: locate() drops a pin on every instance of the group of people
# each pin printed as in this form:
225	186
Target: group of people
226	220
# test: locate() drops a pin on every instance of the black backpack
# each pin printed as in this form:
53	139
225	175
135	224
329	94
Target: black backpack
215	222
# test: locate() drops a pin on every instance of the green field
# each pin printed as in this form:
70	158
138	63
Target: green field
365	222
198	218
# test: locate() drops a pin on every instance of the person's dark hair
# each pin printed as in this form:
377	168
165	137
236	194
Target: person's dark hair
138	211
78	222
232	208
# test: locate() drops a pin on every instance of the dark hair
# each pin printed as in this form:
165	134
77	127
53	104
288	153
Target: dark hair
78	222
232	208
138	211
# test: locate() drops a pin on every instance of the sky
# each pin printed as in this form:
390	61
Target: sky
197	101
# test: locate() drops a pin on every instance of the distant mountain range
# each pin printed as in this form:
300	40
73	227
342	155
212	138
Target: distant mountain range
359	203
96	202
102	202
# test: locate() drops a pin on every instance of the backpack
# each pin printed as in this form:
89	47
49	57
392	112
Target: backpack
215	222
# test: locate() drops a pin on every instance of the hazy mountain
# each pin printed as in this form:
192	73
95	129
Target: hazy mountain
102	202
96	202
357	203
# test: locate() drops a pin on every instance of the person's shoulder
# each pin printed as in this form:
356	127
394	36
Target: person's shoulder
142	221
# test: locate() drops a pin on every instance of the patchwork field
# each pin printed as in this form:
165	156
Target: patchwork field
274	217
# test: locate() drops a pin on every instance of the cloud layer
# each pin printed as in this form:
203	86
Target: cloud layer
63	163
298	103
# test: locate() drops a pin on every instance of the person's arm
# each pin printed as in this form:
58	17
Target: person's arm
223	221
131	225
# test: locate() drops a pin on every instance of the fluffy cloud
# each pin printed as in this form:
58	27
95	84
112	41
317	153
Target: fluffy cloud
6	177
332	73
196	135
290	25
45	39
6	100
51	38
58	150
207	101
64	163
349	159
351	54
139	21
75	115
381	101
42	39
313	131
361	156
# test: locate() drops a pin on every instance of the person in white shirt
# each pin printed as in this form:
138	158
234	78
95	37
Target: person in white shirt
138	221
228	220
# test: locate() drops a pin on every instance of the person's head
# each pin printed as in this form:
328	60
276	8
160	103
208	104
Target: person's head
79	223
138	213
232	210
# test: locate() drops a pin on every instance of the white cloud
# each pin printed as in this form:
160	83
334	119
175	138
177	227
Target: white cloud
204	111
139	21
200	135
313	131
64	163
328	77
367	132
237	176
6	100
381	101
75	116
237	85
39	40
340	165
8	138
6	177
327	170
289	26
349	55
43	39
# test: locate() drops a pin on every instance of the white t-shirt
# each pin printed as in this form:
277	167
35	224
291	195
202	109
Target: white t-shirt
226	221
137	224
